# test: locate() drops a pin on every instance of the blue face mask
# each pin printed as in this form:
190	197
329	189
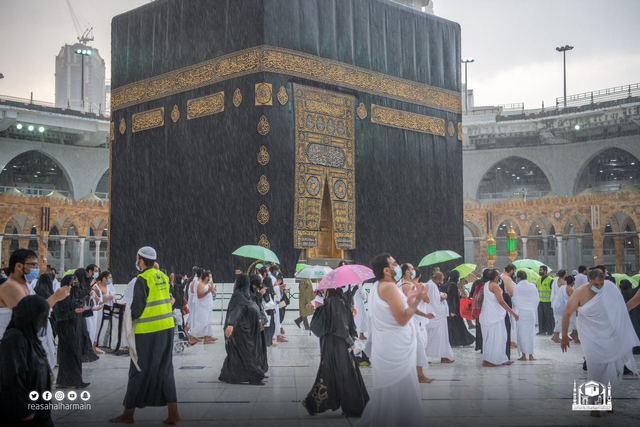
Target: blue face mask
413	274
137	266
596	290
33	275
109	282
95	275
398	275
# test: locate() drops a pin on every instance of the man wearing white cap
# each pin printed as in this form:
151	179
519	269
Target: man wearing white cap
153	384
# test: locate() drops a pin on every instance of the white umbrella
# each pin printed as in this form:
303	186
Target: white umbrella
313	272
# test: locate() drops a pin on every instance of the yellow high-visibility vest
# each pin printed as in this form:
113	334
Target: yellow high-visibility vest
544	289
158	313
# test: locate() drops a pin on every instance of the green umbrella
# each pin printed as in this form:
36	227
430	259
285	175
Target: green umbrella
532	276
620	277
465	269
437	257
257	252
533	264
300	266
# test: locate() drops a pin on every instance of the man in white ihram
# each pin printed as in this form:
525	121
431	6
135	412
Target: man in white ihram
395	398
605	329
525	304
438	328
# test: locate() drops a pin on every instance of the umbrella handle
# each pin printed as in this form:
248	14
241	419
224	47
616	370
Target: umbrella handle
253	265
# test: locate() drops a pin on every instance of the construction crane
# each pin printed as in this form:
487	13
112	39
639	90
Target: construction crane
83	36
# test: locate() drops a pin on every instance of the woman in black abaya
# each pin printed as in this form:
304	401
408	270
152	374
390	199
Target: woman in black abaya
244	338
338	383
458	333
23	365
627	293
68	314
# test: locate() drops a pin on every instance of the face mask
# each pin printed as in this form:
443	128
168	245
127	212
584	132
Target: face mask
137	266
398	275
109	282
33	275
596	290
4	276
413	274
95	275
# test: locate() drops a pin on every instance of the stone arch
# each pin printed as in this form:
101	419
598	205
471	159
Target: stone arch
577	222
102	184
42	151
612	149
532	165
80	229
12	225
474	228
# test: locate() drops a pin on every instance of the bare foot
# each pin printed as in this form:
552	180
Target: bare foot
488	365
96	351
445	360
531	357
556	340
425	380
510	362
595	414
282	339
171	421
523	358
514	345
121	420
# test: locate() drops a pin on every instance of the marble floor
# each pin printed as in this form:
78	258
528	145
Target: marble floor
535	393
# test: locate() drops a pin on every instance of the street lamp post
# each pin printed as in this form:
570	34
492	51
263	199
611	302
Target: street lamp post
564	50
465	61
82	53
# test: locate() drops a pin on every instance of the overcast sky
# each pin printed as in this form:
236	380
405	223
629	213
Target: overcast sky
513	43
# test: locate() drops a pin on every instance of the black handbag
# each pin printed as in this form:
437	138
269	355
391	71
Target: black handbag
319	322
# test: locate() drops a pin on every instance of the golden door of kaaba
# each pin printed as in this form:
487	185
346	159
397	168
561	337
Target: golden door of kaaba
325	172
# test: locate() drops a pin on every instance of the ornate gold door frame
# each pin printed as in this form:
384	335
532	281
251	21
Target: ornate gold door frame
325	158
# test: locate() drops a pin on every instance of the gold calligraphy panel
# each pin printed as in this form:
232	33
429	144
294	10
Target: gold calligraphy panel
287	62
406	120
147	120
325	159
205	106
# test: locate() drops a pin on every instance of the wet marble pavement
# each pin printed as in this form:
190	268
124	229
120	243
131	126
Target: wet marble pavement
535	393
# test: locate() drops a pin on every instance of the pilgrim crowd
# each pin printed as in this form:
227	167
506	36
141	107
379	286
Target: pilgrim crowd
395	325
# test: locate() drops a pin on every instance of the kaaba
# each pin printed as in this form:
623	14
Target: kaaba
321	129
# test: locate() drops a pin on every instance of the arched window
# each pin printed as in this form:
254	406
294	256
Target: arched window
514	176
609	171
35	174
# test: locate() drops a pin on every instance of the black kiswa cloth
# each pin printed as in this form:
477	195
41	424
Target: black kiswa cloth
338	383
23	364
458	333
246	349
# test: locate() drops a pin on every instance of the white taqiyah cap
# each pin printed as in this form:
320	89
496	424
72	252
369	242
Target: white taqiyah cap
147	252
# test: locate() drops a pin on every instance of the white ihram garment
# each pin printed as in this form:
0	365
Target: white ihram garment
562	298
395	398
437	344
203	320
494	331
191	303
607	336
525	304
362	318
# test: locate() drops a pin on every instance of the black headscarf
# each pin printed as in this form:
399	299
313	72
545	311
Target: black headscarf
44	286
29	317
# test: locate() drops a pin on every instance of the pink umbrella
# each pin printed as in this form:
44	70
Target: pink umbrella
345	276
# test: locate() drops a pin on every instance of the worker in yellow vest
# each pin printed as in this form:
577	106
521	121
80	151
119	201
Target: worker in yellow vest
152	315
546	322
